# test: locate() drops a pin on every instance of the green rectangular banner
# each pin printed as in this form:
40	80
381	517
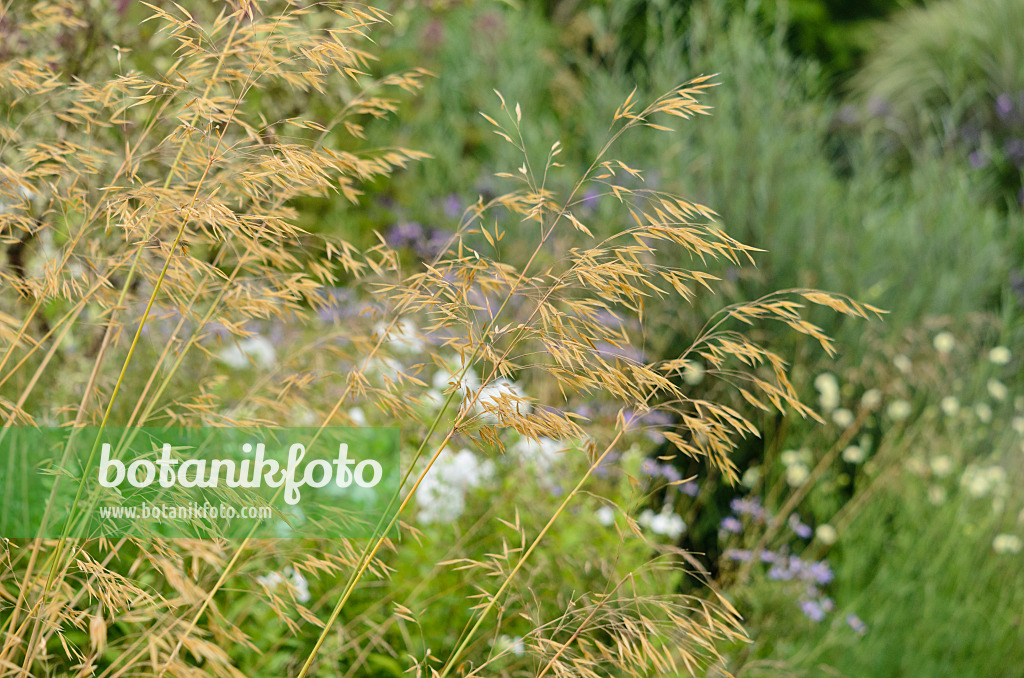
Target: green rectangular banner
197	482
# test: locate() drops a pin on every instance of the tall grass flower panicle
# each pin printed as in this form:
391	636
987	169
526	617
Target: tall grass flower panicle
149	215
148	170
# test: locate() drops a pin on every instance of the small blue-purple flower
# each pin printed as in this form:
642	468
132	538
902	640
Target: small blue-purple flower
820	573
799	529
732	525
1004	106
452	206
432	243
404	234
671	473
739	555
748	507
1014	149
813	610
856	623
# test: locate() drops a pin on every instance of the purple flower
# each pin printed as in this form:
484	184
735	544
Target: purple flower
604	468
794	568
738	555
630	353
799	529
433	244
748	507
877	107
337	304
856	623
590	198
781	571
769	556
690	488
1014	149
819	572
671	473
452	206
404	234
813	610
650	468
1004	106
977	159
731	524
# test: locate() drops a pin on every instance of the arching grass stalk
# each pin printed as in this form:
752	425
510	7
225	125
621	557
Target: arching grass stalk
666	103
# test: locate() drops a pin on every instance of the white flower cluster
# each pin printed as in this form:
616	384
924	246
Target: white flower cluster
291	578
981	481
1007	544
797	463
665	523
404	337
442	493
246	352
541	453
828	391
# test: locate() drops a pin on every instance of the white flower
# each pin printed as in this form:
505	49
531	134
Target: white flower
899	410
1018	425
542	453
854	454
790	457
403	337
751	476
384	365
826	381
983	412
299	583
950	406
917	466
668	524
1007	543
797	474
605	515
980	481
357	416
244	352
292	578
441	494
944	342
432	399
936	495
871	399
693	373
997	390
842	417
942	465
826	534
1000	355
645	518
513	644
501	394
902	363
828	389
270	580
